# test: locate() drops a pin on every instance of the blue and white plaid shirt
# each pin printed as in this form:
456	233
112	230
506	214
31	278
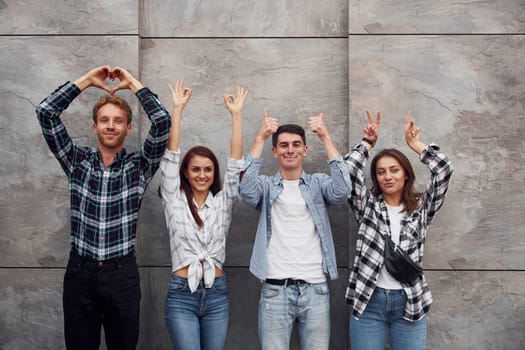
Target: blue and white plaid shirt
104	200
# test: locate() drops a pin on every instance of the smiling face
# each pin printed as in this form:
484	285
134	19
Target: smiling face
290	151
111	126
200	174
391	178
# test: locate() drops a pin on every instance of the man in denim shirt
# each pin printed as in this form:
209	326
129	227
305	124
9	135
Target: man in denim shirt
294	249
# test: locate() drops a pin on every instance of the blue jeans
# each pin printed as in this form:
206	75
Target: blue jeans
281	306
197	320
384	315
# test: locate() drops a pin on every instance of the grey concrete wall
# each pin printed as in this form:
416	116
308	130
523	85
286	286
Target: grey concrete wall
455	65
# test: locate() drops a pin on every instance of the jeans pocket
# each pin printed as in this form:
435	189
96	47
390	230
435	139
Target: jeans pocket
129	271
220	286
177	284
321	289
270	291
72	272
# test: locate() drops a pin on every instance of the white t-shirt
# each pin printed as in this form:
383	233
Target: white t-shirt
385	279
295	247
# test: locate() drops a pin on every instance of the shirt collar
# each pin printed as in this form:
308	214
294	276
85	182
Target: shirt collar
207	202
277	179
118	157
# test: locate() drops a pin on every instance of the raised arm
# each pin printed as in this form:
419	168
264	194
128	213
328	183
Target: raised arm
356	162
180	97
317	125
50	109
155	142
234	105
412	134
269	126
439	164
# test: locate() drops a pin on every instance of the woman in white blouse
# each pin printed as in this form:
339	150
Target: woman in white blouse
198	215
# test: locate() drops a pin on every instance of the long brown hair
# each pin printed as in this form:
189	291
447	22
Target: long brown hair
410	197
185	184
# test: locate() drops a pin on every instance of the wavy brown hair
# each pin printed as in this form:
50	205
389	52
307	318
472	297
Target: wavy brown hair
410	197
114	100
185	184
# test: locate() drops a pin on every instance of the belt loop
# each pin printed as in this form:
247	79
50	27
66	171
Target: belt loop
285	282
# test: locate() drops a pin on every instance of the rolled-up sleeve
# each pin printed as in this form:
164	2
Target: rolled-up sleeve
250	187
169	179
338	187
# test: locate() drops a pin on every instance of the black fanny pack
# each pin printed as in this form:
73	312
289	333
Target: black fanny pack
399	264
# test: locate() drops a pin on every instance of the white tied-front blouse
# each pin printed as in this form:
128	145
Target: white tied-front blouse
202	249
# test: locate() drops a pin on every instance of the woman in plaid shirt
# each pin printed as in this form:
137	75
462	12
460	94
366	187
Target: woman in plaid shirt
380	304
198	214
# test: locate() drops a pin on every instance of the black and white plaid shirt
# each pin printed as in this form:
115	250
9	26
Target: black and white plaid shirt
104	200
371	214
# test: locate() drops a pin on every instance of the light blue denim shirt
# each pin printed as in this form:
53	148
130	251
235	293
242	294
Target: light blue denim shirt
319	190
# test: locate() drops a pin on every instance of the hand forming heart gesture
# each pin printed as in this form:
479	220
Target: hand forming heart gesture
97	78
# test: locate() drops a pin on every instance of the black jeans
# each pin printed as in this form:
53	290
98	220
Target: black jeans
101	294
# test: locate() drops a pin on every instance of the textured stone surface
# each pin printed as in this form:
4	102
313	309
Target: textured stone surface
230	18
436	17
68	17
466	92
466	96
476	310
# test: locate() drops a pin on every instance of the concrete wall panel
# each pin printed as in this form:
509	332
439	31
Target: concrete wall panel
476	310
68	17
464	93
230	18
31	309
436	17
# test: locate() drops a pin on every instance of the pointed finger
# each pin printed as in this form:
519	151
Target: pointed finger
171	89
378	118
409	117
369	117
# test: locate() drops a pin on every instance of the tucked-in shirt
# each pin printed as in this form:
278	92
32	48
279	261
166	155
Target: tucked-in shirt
104	200
202	249
295	248
318	190
371	214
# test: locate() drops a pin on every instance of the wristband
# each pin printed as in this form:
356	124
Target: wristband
370	142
